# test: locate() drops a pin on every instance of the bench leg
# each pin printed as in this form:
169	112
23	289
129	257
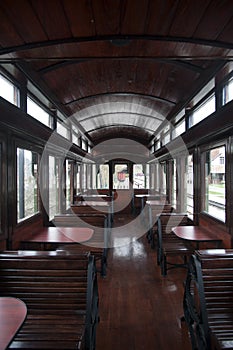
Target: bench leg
164	265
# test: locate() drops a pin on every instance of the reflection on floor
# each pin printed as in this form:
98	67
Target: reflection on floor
140	309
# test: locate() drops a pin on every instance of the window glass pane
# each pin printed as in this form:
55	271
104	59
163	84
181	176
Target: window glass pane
205	109
103	176
63	130
68	183
27	193
138	176
1	188
179	129
215	183
163	179
53	187
188	190
84	177
78	187
8	91
121	177
38	113
228	92
174	184
157	177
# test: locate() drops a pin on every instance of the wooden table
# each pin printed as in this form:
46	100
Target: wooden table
13	312
196	234
60	235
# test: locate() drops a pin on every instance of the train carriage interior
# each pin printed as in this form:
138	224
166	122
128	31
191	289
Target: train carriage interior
116	116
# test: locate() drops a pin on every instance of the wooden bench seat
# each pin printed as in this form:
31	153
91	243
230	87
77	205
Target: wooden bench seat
208	299
61	294
170	248
99	243
84	208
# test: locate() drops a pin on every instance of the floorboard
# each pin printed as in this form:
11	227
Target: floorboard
140	309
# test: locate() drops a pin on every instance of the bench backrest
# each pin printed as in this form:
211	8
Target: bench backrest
208	290
52	282
86	209
98	222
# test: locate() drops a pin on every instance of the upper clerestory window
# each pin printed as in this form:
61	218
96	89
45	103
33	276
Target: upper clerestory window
203	111
9	91
227	92
38	113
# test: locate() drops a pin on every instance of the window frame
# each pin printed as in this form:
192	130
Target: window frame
204	150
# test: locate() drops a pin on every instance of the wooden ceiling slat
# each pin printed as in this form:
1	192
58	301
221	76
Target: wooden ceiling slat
134	17
52	18
193	10
160	17
12	38
80	17
107	16
226	34
214	19
24	20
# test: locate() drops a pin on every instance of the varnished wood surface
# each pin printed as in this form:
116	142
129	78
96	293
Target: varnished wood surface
12	315
196	234
140	309
61	235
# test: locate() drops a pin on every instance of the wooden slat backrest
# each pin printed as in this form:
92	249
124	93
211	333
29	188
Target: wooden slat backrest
211	273
86	209
166	221
98	222
61	293
101	240
46	280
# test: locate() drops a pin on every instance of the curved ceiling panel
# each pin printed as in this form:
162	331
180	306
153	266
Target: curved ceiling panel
117	66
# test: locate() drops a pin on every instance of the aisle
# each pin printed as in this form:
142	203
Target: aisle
140	309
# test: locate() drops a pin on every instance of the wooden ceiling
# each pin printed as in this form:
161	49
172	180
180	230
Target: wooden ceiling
118	67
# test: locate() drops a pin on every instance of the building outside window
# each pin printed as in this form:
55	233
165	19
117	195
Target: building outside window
215	201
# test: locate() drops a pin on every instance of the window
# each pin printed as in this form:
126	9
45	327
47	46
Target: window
174	199
68	183
1	188
38	113
78	186
75	135
157	177
163	178
203	111
121	176
27	189
63	130
214	186
178	129
54	202
103	176
188	190
9	91
138	176
166	135
228	92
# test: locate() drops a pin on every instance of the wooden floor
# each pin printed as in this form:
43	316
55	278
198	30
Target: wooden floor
140	309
